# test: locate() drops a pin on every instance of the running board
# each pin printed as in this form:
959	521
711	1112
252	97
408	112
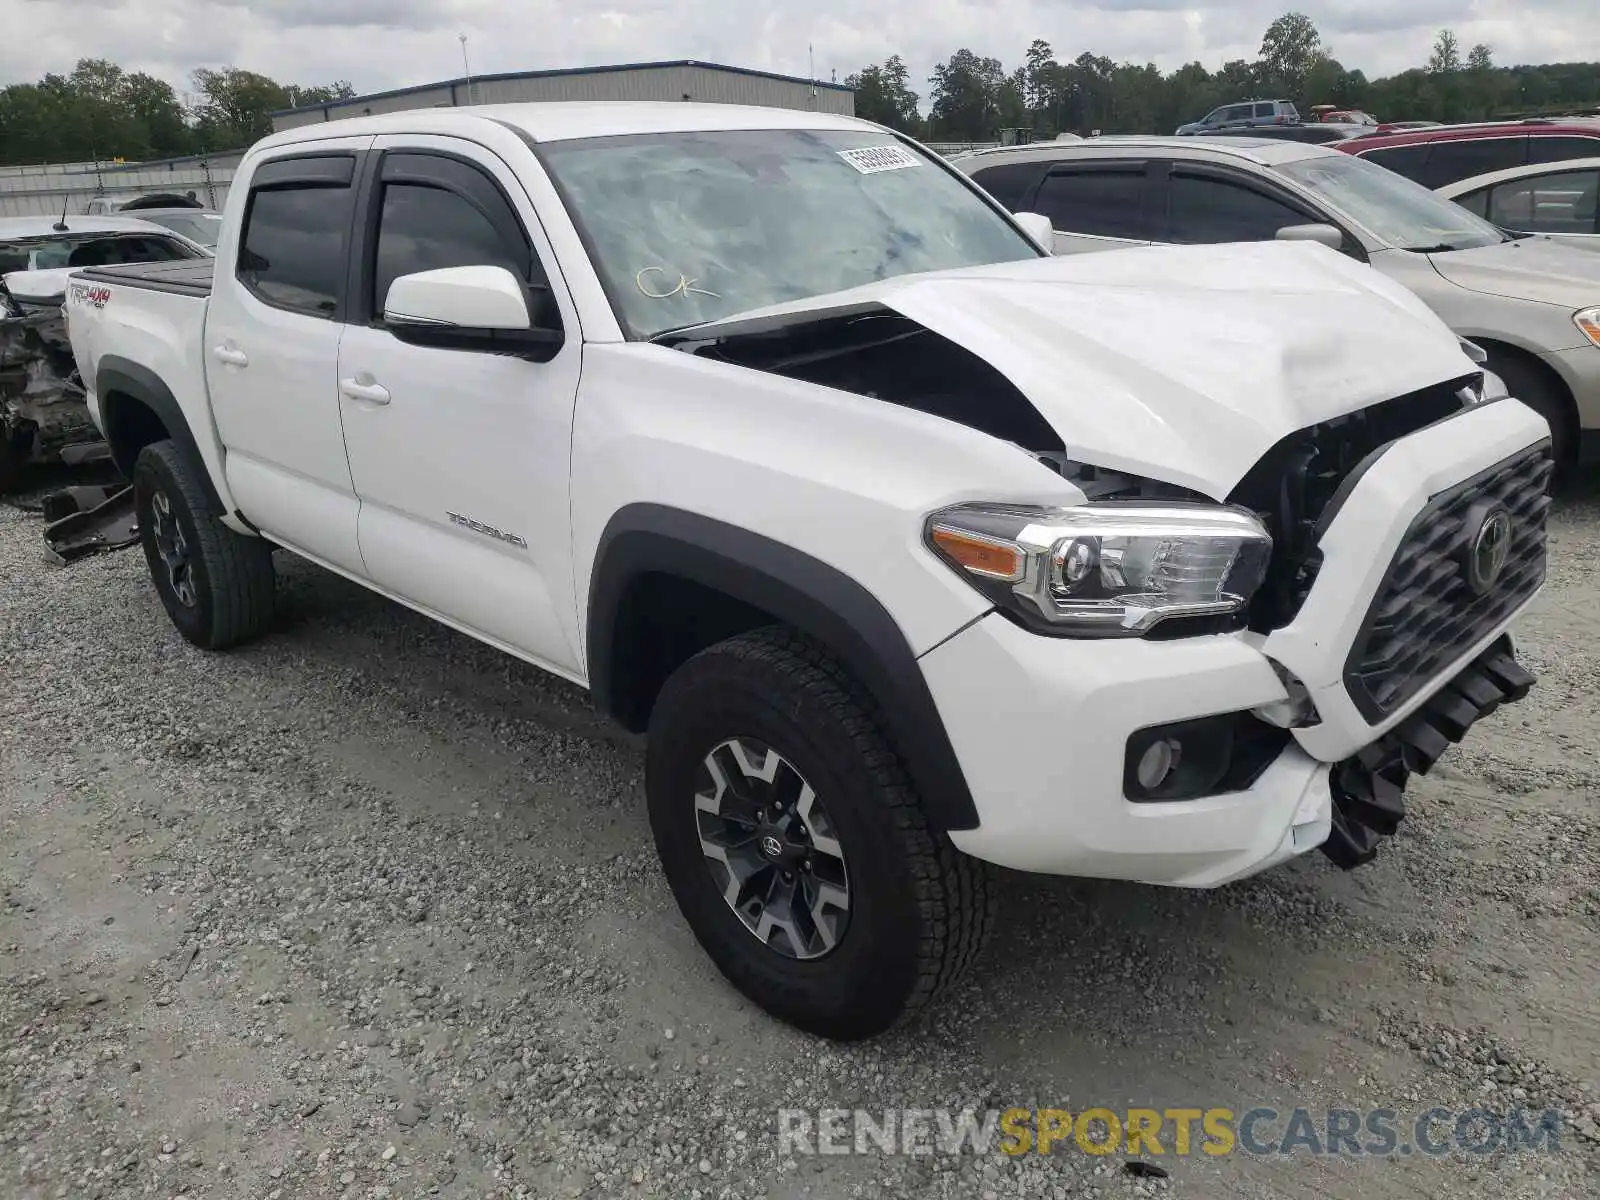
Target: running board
1369	788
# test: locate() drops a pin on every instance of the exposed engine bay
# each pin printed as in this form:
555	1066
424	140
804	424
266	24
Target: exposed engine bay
43	412
888	357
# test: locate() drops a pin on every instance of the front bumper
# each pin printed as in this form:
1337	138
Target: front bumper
1041	725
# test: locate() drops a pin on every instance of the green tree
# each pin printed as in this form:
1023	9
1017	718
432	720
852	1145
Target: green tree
884	95
965	101
1446	56
1288	51
1481	58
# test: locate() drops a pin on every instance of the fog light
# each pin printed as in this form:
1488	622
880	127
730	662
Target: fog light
1156	763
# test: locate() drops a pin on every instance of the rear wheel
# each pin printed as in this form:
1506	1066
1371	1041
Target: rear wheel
216	585
795	846
1540	393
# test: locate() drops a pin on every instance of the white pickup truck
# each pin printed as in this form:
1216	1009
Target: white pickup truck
913	548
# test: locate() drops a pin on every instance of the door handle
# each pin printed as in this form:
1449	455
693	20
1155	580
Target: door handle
372	393
231	355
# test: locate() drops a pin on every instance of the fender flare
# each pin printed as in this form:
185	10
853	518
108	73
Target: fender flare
801	591
124	376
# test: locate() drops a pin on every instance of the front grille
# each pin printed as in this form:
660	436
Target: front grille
1427	612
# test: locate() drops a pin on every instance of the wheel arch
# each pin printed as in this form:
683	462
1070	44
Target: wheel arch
137	408
666	583
1511	352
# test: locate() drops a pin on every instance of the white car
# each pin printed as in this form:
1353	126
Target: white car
42	412
912	548
1554	199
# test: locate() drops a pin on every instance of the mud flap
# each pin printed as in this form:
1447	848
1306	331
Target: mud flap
88	520
1369	788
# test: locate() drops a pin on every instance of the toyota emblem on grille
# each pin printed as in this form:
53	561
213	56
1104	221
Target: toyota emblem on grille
1490	547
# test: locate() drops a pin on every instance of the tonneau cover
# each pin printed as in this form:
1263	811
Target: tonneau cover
189	276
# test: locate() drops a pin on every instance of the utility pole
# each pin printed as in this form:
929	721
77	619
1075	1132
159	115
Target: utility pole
466	67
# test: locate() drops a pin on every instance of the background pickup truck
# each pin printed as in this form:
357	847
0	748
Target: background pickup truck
914	549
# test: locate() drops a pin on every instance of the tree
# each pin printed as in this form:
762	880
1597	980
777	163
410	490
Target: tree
1481	58
965	102
1446	56
884	95
1288	49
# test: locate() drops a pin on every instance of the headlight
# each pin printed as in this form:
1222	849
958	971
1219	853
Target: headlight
1110	569
1589	321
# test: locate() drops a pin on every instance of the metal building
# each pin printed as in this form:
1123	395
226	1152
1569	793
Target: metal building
672	81
28	191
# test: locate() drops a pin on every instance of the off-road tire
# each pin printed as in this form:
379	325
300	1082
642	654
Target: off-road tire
920	910
231	574
1538	392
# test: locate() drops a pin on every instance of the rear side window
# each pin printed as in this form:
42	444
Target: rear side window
1099	203
1204	210
1266	110
1009	183
1402	160
1562	202
296	232
1559	149
1450	162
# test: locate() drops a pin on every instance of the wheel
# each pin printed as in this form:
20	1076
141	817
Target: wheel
1535	389
216	585
795	846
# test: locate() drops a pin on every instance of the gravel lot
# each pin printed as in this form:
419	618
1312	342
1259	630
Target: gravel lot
368	910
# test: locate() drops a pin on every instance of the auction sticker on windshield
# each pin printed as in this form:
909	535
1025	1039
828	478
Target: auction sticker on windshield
871	159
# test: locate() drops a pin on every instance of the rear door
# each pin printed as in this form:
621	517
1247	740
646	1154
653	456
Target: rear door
1097	205
461	456
271	347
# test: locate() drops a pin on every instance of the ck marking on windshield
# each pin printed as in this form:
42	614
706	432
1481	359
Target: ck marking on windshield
486	530
684	285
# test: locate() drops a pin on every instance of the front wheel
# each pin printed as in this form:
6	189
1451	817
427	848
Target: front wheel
795	845
216	585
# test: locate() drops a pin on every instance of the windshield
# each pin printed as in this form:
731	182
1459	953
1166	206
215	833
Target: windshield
89	250
693	227
1404	214
204	228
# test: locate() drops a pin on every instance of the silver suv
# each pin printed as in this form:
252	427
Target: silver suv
1532	303
1246	114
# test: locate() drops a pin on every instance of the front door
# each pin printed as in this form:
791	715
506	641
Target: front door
461	457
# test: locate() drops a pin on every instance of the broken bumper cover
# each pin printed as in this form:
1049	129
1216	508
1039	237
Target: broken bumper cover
1369	788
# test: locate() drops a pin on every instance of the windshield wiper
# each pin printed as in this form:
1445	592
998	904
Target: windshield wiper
1437	248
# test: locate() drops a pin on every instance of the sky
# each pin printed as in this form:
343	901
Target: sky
379	44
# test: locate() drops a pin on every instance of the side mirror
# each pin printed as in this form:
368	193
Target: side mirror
1038	228
467	308
1330	236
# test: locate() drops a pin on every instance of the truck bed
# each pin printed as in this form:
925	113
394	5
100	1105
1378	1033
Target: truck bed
186	277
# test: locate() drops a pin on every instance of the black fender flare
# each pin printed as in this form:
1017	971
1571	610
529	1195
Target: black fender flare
801	591
126	377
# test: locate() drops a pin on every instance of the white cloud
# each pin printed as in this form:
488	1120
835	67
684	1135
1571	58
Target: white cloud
379	44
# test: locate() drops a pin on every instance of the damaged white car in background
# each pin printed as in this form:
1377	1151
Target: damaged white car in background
43	416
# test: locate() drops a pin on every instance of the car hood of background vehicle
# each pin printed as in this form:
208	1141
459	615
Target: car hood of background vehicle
1184	364
1530	268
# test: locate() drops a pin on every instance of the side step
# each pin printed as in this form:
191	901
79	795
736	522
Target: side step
1369	789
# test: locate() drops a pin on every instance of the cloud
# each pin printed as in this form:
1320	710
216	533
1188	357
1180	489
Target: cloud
380	44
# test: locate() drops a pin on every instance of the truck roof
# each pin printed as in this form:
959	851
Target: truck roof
557	120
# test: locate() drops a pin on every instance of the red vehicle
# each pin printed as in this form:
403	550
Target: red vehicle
1445	154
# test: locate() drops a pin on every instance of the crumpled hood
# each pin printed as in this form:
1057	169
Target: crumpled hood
1183	364
1531	268
35	287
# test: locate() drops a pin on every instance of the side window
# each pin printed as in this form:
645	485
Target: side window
1202	209
1563	202
1560	149
1410	161
1237	112
1476	203
296	231
441	212
1266	110
1009	183
1099	203
1451	162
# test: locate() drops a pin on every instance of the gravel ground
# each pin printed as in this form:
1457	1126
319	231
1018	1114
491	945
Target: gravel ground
368	910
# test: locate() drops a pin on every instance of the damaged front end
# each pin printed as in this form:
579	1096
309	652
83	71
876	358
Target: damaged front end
44	414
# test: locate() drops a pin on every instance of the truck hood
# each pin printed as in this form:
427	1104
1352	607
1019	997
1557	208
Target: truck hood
1183	364
1531	268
